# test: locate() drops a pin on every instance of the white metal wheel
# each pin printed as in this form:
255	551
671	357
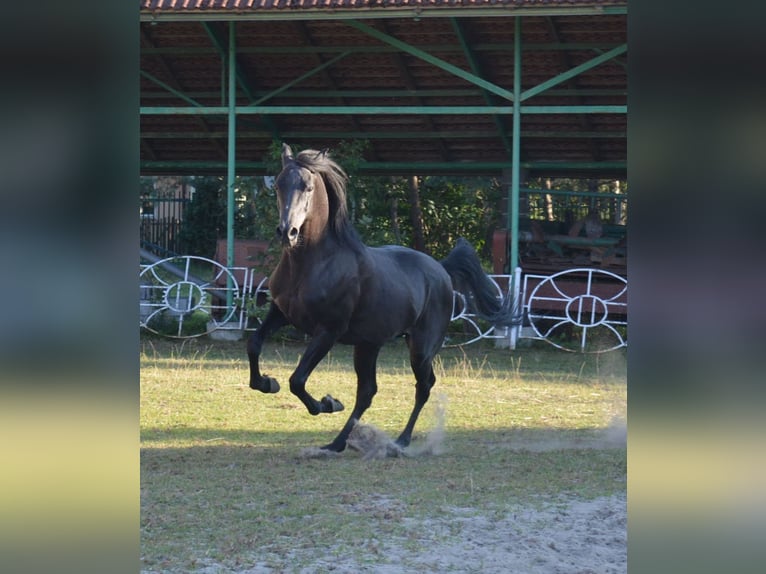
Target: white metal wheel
581	310
186	296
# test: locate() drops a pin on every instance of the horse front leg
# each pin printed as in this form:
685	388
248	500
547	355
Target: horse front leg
316	350
273	321
365	361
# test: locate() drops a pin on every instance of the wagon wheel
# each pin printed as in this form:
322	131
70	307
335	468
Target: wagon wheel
186	296
567	311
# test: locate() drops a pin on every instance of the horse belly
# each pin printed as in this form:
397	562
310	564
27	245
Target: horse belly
386	313
376	328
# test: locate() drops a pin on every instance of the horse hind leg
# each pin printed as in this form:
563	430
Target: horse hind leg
365	364
422	367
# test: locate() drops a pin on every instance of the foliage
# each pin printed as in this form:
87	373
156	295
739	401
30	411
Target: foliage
205	217
252	307
572	207
206	214
454	208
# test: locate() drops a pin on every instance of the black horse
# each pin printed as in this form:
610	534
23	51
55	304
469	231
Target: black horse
334	288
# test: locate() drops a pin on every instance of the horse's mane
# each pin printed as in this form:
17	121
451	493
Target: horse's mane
335	179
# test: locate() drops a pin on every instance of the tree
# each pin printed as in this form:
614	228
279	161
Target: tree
571	207
205	217
416	214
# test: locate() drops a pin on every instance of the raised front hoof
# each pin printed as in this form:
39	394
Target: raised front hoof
331	405
265	385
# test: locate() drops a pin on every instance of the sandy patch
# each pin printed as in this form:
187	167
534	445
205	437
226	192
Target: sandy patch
567	537
561	536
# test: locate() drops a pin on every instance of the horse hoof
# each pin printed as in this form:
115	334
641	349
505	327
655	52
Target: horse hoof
402	442
265	385
334	448
331	405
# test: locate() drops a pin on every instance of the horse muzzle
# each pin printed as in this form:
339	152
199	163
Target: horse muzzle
289	235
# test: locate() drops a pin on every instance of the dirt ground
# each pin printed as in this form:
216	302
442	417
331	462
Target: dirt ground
563	537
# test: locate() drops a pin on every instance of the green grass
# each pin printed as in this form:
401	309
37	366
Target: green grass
223	478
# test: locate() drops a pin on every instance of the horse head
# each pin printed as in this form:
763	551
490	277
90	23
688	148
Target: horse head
302	201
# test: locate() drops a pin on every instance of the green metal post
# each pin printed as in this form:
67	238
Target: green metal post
513	200
231	160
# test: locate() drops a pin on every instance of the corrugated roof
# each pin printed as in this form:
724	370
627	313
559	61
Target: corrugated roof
333	63
246	5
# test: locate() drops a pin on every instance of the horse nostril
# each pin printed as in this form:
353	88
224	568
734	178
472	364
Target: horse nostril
279	230
293	232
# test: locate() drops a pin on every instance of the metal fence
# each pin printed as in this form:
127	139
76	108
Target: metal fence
161	235
580	310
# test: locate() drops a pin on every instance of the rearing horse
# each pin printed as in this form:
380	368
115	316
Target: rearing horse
334	288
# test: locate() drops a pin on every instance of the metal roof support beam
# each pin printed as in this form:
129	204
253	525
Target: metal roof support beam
606	109
240	77
476	69
177	91
218	42
400	93
410	84
421	167
170	89
618	61
599	47
445	134
231	163
566	64
306	38
513	198
439	63
564	76
299	79
381	110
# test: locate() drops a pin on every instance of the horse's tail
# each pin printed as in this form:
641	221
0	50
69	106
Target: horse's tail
468	277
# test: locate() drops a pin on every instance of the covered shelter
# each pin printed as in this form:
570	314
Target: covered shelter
509	88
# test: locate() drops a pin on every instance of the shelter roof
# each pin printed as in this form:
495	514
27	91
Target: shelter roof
427	82
266	5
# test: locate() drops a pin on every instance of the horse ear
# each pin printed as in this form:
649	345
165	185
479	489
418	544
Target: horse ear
287	154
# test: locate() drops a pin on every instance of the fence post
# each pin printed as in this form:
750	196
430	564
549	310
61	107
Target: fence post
515	286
